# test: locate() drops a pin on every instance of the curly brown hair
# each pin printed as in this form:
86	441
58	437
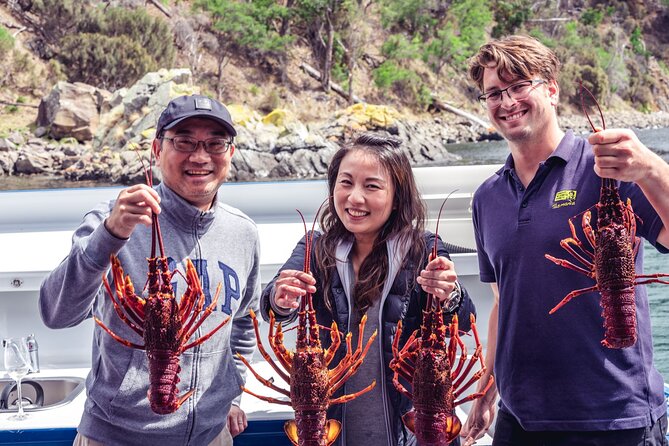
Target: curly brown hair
515	57
407	221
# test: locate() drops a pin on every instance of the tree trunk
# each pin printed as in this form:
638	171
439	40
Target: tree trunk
311	71
329	45
285	22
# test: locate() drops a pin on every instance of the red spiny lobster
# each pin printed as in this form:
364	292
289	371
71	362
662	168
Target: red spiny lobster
165	324
609	259
436	375
312	383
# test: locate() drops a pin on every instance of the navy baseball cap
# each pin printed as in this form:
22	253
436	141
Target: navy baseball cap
185	107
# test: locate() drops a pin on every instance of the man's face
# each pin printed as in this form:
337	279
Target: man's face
524	118
195	176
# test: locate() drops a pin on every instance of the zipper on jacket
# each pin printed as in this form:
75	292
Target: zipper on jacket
383	374
384	397
196	350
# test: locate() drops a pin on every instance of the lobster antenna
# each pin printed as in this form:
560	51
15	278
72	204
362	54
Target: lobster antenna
155	235
307	243
309	238
430	298
582	88
436	229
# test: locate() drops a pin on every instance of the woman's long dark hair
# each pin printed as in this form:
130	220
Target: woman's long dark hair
406	221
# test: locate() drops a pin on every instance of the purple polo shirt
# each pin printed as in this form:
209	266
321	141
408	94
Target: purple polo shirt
551	370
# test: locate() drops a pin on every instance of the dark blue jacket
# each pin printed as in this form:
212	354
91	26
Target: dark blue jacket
404	302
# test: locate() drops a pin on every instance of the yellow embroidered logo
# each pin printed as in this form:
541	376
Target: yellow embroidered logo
564	198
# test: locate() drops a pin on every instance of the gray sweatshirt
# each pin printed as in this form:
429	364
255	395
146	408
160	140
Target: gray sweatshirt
223	245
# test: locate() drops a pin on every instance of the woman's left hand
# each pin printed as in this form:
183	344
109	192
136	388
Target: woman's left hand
438	278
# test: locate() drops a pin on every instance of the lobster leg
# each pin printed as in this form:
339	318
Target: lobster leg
345	398
568	264
587	229
204	316
566	244
266	398
400	387
474	396
263	352
265	382
345	362
193	291
284	355
193	281
336	342
571	295
135	323
652	280
125	291
577	241
354	367
117	337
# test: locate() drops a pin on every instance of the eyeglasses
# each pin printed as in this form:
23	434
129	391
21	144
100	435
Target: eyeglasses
186	144
517	92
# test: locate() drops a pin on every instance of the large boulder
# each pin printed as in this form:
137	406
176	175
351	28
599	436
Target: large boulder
130	114
71	110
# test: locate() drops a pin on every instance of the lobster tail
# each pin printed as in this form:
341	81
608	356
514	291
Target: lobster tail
164	371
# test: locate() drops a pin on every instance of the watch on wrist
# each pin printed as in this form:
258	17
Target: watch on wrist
454	300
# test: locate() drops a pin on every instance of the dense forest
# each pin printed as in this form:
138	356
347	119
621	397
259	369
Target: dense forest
315	55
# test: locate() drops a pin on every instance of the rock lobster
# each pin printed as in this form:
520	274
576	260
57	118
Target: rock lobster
436	375
165	324
312	383
609	259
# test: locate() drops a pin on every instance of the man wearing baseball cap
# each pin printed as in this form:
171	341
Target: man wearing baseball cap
193	147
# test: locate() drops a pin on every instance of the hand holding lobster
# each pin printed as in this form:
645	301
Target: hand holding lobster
438	278
620	155
290	286
134	205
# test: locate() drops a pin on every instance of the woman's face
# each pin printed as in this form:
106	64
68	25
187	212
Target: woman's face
363	195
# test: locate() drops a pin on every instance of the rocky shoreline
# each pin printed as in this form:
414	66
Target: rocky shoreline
106	145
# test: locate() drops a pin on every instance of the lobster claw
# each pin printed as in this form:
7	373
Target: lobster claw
332	430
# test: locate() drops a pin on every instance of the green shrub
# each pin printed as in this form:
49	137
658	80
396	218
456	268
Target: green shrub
151	33
110	62
6	42
593	78
636	40
389	73
510	16
398	47
592	17
106	47
403	82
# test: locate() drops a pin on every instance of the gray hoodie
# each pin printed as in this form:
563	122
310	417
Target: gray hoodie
223	245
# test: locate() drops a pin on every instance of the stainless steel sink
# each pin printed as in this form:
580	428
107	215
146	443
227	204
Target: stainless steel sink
40	393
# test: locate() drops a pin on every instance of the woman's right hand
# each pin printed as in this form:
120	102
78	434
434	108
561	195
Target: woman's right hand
290	286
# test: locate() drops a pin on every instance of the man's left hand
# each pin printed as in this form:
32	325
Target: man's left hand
236	421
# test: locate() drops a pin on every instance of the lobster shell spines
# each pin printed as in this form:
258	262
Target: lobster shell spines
432	383
162	325
311	393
